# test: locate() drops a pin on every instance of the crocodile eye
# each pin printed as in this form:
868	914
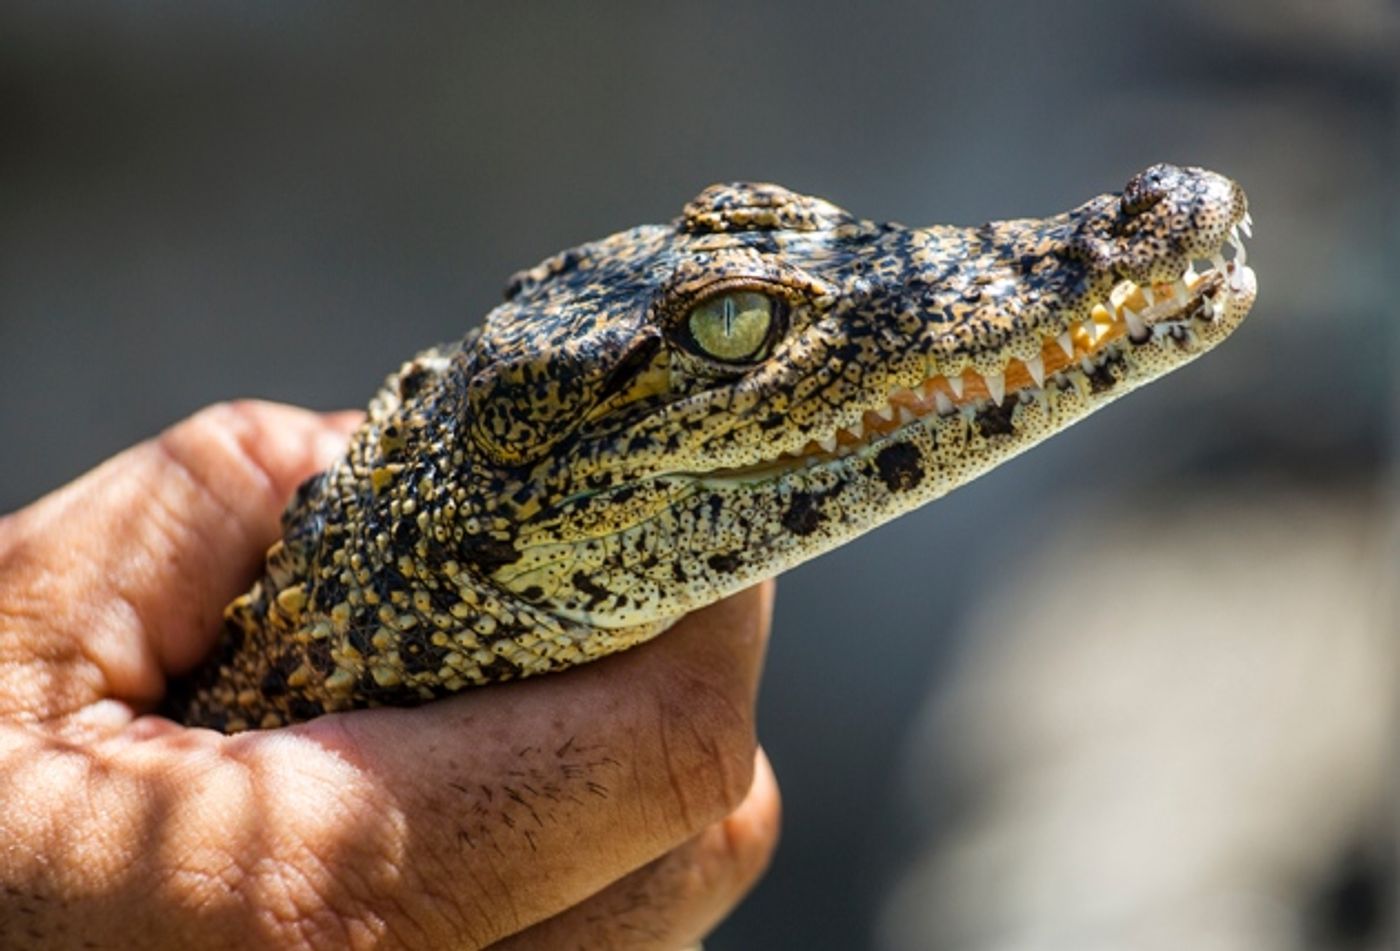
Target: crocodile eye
736	327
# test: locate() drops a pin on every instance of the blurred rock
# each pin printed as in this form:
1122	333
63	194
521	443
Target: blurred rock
1172	730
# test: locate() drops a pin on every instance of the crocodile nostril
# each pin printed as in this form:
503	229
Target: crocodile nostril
1144	191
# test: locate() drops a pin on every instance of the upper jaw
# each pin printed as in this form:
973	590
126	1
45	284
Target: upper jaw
1192	308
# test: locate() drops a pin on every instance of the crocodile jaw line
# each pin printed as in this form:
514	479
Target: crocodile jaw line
1157	316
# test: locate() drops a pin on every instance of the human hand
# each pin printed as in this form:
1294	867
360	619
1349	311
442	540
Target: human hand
621	802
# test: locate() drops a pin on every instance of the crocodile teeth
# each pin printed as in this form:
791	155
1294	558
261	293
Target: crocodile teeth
1137	328
996	386
1139	312
1035	366
1153	314
1236	278
1066	344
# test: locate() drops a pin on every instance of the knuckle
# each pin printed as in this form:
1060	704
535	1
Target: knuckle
727	860
252	446
747	848
305	899
208	432
214	423
300	911
363	894
217	448
706	734
428	908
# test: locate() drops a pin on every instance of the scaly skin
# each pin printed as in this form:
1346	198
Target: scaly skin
577	475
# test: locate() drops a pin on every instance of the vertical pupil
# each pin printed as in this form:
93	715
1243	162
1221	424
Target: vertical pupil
728	309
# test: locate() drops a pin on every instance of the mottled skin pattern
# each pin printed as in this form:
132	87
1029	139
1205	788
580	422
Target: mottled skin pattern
570	480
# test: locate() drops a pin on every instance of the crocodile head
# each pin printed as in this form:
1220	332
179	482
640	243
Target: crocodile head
659	418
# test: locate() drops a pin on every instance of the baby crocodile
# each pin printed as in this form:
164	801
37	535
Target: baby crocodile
660	418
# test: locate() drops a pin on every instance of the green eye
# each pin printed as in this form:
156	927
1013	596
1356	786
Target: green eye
732	327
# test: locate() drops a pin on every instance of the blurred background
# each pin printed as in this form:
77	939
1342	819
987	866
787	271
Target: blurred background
1134	689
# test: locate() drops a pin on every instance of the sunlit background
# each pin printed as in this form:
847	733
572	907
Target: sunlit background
1134	689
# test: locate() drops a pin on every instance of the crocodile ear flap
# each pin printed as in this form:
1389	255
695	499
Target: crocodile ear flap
757	206
525	395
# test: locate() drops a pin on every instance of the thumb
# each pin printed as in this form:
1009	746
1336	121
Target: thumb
120	577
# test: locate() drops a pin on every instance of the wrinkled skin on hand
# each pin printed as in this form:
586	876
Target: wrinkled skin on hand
624	799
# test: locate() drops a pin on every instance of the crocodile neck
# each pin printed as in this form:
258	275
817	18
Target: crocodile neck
377	594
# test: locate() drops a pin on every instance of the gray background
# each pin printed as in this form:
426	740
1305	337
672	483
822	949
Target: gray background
201	201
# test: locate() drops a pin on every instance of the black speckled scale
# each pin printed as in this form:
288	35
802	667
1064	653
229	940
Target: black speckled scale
572	478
